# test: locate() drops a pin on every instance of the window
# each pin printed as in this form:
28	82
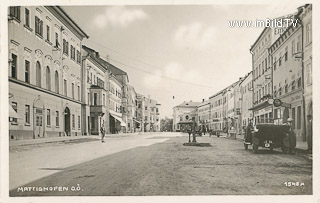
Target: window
79	122
78	92
88	98
27	114
286	88
293	85
104	99
57	118
293	113
65	87
299	82
72	52
266	64
56	80
48	33
293	47
308	33
146	108
299	117
14	66
48	78
39	26
15	108
78	57
72	89
286	54
48	117
299	44
309	75
15	12
275	63
38	74
57	40
27	17
95	98
27	71
90	78
65	47
73	121
280	58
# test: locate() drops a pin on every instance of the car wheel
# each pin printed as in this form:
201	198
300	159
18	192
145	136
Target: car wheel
245	146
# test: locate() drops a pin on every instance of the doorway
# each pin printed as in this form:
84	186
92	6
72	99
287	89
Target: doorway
67	121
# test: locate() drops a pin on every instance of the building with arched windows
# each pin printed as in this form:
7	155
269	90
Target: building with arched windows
44	72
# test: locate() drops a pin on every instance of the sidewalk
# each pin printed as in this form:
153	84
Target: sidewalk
69	138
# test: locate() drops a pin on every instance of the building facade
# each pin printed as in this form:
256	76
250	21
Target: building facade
262	76
183	115
132	110
204	114
246	101
306	19
216	120
44	72
287	78
95	94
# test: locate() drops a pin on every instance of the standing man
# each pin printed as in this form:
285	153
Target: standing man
103	131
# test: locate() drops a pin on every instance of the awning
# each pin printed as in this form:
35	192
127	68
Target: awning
119	119
13	113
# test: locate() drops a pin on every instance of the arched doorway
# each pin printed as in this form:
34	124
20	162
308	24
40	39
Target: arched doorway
38	121
67	121
285	115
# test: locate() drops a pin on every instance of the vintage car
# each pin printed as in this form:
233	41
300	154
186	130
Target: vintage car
271	136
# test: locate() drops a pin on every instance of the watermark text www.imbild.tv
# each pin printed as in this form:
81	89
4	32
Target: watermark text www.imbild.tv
272	23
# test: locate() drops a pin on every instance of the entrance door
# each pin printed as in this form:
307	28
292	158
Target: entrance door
38	124
67	121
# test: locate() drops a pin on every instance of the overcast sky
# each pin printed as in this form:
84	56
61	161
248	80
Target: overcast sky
177	43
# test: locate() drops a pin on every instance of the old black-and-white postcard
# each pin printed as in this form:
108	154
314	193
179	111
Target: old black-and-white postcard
153	101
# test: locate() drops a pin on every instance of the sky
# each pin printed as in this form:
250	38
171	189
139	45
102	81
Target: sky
176	53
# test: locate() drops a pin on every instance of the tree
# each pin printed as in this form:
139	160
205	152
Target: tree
166	124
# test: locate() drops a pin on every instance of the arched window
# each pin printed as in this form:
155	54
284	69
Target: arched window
38	74
48	78
56	81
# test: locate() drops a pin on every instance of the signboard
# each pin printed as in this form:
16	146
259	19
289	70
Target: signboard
277	102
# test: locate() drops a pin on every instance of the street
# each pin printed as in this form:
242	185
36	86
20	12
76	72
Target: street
157	164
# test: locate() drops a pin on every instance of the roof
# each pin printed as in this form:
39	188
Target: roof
114	70
204	103
94	55
188	104
67	21
245	77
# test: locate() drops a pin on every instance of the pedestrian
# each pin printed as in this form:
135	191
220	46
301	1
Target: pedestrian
248	135
103	131
292	136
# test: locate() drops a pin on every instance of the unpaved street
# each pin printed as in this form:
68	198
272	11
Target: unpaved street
169	168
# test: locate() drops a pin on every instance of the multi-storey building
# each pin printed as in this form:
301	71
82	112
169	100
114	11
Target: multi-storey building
132	109
204	113
183	115
44	72
246	100
95	94
123	78
306	20
148	114
262	75
287	78
216	120
237	106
